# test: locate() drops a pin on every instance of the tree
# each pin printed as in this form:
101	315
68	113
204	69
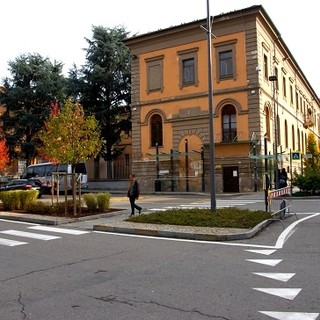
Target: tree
309	180
4	157
70	137
102	86
35	84
312	148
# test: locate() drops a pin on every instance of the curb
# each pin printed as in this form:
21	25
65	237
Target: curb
47	220
158	232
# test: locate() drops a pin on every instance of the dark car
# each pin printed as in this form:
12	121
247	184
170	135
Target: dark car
24	184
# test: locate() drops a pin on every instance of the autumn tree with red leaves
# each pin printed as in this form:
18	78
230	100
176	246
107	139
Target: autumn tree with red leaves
4	157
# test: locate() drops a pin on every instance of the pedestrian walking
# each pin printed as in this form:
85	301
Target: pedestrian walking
133	193
283	177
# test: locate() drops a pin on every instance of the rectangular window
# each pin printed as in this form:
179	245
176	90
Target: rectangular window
226	64
188	67
154	74
188	72
225	53
291	95
265	66
284	87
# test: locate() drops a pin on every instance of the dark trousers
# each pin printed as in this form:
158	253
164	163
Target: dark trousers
133	204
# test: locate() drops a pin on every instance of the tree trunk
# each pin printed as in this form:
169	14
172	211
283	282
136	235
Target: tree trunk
74	193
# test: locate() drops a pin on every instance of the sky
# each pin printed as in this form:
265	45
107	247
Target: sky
56	29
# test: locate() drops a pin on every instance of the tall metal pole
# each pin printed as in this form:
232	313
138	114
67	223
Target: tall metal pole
276	137
187	164
267	186
210	98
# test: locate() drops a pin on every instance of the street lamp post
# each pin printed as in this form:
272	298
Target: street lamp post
210	102
274	80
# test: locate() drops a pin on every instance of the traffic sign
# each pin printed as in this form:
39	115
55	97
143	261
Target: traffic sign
295	155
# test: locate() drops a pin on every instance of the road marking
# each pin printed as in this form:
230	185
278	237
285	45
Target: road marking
59	230
265	252
267	262
206	204
38	236
291	315
279	243
11	243
19	222
286	293
285	235
276	276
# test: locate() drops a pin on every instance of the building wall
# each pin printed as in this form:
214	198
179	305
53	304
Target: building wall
256	51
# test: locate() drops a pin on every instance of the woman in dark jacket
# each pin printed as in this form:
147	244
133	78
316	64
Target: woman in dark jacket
133	194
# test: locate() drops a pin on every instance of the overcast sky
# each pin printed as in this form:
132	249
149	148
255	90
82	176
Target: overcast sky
56	29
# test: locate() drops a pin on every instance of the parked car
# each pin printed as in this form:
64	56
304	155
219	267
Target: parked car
24	184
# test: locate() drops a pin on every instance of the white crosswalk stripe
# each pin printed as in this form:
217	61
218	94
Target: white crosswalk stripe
11	243
59	230
31	235
221	203
37	236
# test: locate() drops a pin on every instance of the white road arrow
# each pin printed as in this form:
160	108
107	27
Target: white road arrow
268	262
276	276
265	252
286	293
291	315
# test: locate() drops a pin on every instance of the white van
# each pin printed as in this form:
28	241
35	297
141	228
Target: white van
43	172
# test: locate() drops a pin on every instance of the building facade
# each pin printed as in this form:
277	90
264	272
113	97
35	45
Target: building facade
263	105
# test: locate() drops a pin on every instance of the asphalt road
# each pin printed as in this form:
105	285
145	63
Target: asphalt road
72	272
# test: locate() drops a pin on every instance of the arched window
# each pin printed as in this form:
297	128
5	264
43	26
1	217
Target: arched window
229	124
293	139
286	134
156	130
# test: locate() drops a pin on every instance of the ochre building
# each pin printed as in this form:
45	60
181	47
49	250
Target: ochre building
263	105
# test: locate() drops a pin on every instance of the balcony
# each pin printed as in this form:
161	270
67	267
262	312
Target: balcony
229	136
308	121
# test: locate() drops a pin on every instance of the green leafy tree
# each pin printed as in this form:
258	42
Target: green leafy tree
34	84
102	86
70	137
313	149
309	180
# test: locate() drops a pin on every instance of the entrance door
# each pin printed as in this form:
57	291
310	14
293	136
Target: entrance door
230	179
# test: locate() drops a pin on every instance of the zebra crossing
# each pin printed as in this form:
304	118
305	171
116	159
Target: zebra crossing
220	203
36	232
